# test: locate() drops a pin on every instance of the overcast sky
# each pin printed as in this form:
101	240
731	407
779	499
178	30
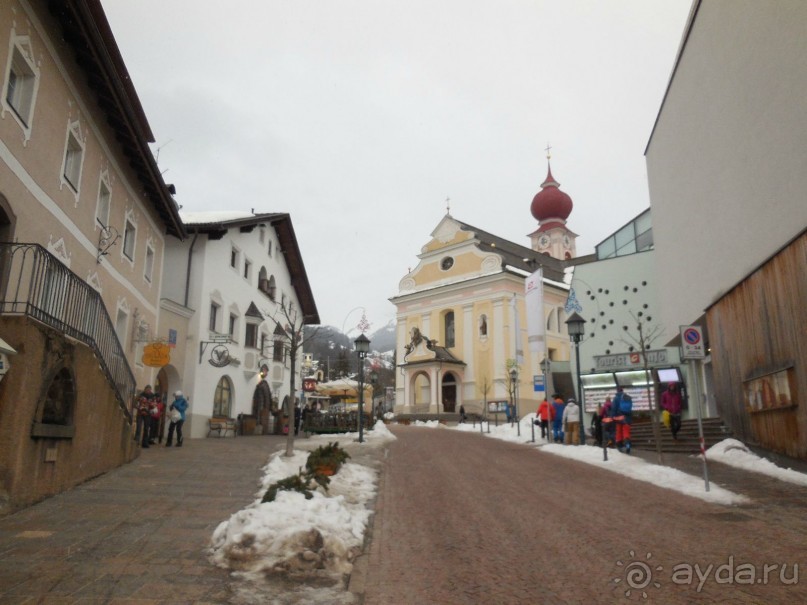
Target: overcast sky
360	117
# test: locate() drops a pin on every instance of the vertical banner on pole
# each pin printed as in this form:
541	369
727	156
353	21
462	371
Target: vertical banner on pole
534	302
517	344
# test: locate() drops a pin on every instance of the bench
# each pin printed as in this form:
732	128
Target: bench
221	426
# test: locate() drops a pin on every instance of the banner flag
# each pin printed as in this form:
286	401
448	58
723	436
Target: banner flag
519	350
572	304
534	302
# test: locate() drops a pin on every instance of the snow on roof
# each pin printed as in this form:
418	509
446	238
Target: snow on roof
213	216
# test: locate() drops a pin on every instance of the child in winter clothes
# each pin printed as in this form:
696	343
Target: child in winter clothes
671	401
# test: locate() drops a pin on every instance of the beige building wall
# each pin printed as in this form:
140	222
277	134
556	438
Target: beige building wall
60	215
726	160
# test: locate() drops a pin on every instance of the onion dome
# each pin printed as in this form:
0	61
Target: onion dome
551	202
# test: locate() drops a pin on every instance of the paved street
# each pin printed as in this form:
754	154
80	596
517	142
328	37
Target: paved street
466	519
138	534
460	519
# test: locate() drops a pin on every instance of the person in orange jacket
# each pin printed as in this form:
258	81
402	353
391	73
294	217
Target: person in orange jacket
545	413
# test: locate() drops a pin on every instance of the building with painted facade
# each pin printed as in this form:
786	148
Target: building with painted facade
243	276
85	217
462	321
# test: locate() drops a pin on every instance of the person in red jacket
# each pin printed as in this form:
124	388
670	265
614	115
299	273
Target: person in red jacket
545	413
671	401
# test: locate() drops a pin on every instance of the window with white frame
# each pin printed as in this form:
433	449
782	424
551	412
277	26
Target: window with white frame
234	257
129	237
120	326
104	200
247	269
270	247
149	262
22	82
73	157
262	234
251	335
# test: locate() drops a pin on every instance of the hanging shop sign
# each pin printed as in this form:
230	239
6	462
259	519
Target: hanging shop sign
156	355
219	356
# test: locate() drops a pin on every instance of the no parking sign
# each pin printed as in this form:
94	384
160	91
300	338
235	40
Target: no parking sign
692	346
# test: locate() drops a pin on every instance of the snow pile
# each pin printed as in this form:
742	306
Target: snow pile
291	535
734	453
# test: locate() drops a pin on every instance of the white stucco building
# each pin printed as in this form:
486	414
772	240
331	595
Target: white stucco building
240	271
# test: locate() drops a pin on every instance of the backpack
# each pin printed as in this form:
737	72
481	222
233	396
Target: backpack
625	405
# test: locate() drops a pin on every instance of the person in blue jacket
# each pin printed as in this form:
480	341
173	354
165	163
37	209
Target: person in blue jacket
180	404
557	422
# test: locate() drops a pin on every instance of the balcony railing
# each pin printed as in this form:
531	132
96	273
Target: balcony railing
36	284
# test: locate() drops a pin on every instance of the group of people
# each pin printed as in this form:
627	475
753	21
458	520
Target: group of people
150	410
565	419
612	420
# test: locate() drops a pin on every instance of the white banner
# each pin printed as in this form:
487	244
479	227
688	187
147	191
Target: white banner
517	332
534	301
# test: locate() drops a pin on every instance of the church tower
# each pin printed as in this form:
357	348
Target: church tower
551	207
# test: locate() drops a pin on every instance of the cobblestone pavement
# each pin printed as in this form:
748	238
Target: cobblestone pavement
136	535
460	518
466	519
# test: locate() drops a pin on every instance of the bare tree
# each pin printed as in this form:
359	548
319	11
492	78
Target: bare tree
643	338
291	323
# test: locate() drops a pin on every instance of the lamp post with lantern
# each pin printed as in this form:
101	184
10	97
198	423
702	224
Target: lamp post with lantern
514	382
577	329
362	344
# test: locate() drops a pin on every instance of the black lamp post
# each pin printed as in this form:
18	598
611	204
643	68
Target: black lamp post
514	381
362	344
546	366
577	328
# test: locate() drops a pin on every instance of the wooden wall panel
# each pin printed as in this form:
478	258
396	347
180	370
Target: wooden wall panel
757	328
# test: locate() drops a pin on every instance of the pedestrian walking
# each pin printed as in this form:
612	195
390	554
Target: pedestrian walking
609	427
142	407
671	401
298	417
545	413
571	421
622	407
180	404
557	423
462	414
156	412
596	426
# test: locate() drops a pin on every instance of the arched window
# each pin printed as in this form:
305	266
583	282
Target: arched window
266	283
223	398
449	329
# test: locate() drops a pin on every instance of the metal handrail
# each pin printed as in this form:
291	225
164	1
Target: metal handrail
36	284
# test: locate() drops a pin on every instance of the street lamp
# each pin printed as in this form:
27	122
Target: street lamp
514	381
362	344
546	367
577	328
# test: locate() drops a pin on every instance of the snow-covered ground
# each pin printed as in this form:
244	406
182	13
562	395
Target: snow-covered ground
314	542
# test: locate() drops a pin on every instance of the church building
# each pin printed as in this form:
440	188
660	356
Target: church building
462	324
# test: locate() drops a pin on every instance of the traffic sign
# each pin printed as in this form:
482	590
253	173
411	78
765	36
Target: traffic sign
538	383
692	345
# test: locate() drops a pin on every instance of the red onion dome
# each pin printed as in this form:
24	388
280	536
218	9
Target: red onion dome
551	202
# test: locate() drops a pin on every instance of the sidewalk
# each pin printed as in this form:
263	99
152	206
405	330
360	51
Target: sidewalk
138	534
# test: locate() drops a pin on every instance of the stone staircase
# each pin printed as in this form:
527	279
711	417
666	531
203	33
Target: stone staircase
714	431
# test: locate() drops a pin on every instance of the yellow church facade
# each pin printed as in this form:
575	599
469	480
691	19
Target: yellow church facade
462	325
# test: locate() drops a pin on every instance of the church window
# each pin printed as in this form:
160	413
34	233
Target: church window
446	263
449	328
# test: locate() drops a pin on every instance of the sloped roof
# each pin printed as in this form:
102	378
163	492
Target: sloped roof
86	31
216	224
515	254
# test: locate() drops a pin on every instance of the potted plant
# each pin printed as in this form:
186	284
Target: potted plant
326	459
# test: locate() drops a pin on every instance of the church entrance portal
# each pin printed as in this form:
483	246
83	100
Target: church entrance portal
449	393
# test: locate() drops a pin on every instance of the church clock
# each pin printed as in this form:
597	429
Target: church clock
543	241
567	242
